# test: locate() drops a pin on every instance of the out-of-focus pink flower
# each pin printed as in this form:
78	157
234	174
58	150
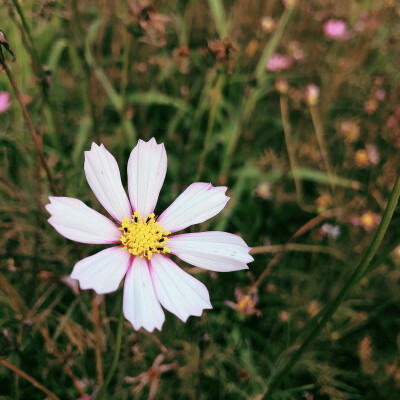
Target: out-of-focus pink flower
245	303
351	130
268	24
354	220
332	231
264	191
369	220
5	101
373	154
312	94
295	50
336	29
279	62
392	121
370	106
380	94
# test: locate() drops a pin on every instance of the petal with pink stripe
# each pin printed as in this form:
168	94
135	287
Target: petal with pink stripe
76	221
103	176
215	251
176	290
147	167
198	203
103	271
141	307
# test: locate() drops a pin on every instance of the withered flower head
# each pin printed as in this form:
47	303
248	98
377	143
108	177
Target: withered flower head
222	52
148	24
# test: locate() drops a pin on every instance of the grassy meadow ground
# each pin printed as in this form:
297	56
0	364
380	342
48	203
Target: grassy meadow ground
299	118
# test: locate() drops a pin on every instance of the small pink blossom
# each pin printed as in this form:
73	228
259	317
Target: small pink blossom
245	303
5	101
279	62
392	121
380	94
368	220
337	30
373	154
312	94
332	231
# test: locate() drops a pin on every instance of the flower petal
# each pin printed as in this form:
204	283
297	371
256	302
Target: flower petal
198	203
102	271
176	290
147	167
76	221
216	251
141	307
102	174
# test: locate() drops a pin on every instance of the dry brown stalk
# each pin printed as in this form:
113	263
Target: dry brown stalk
29	378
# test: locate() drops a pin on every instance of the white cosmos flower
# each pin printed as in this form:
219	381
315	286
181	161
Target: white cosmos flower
142	242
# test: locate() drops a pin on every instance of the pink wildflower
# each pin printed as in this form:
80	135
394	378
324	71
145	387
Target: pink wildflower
142	241
279	62
5	101
380	94
312	94
246	303
337	30
368	220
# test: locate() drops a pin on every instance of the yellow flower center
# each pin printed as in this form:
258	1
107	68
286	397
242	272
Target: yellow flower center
143	237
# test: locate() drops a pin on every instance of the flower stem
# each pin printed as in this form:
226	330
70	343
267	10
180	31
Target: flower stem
331	308
29	122
116	355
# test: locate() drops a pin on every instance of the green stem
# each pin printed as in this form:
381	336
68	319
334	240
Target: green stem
248	103
29	35
273	42
215	99
276	380
35	137
116	355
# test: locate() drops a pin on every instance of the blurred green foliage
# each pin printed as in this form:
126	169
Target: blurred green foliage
192	74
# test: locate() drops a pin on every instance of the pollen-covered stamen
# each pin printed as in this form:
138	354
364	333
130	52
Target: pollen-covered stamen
143	236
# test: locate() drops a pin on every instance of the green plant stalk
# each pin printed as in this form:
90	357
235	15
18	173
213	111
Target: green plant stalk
215	99
38	70
115	99
220	20
287	130
28	34
88	87
319	132
249	102
273	42
35	137
117	352
351	282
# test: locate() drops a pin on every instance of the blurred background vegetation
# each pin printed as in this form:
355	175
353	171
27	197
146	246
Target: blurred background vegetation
295	107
